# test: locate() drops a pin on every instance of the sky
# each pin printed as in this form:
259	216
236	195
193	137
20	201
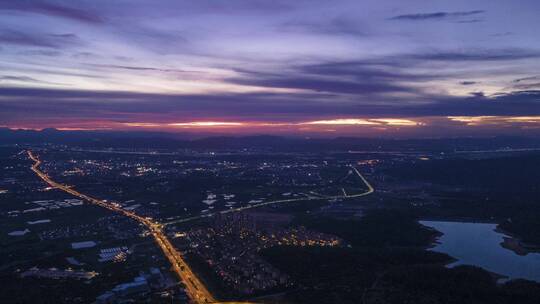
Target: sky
413	68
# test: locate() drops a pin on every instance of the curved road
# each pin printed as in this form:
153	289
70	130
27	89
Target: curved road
369	190
195	289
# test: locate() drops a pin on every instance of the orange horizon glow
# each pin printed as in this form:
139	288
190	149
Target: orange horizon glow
398	122
330	122
495	120
206	124
321	125
341	121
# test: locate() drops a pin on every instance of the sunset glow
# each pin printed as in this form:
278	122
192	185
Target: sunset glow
495	120
286	67
197	124
342	121
332	122
211	131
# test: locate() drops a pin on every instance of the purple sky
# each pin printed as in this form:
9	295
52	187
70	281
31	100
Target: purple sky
415	67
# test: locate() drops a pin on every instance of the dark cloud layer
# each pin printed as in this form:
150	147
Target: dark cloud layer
42	40
336	26
382	76
361	78
18	78
480	55
526	79
52	9
435	16
257	60
139	68
76	104
323	85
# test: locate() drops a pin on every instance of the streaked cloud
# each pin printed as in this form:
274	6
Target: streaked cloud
436	15
335	26
43	40
496	120
291	66
18	78
480	55
51	8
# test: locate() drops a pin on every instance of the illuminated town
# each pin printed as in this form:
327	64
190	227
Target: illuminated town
269	152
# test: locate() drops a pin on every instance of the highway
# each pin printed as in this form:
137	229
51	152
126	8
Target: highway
369	190
195	289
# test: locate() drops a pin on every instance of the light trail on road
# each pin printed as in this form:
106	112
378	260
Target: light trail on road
195	289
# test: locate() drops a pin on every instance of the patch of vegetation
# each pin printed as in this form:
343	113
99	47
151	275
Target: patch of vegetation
387	263
341	275
211	280
381	240
459	285
378	228
510	174
526	225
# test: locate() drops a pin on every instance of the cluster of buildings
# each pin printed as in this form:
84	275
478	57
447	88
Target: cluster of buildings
43	205
231	245
118	227
140	287
116	254
55	273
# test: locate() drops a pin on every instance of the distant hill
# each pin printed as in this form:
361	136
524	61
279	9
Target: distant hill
163	140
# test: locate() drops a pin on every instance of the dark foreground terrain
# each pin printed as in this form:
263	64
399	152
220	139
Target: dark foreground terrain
324	246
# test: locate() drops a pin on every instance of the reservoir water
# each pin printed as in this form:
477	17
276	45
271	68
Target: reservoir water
479	244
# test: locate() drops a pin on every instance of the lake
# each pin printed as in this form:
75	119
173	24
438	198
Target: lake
479	244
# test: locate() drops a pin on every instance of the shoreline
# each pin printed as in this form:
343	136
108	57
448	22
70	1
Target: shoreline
514	243
511	241
499	278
